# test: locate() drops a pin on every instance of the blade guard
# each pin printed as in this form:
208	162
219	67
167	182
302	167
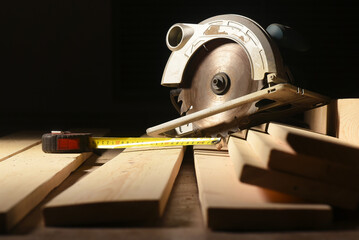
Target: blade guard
184	39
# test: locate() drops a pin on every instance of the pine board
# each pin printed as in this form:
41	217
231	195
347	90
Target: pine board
17	142
27	177
317	145
317	119
316	158
230	204
132	187
29	174
345	117
251	169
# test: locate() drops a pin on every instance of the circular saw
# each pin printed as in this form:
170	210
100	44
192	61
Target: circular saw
229	75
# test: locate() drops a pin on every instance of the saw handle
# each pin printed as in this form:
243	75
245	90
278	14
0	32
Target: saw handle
65	142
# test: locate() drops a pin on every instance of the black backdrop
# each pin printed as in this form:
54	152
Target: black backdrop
98	63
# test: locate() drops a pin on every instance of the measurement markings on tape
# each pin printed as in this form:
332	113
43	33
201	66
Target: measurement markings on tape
113	143
60	142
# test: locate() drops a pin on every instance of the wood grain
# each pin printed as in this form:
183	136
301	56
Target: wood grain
15	143
230	204
317	145
253	170
316	158
317	119
345	114
28	177
132	187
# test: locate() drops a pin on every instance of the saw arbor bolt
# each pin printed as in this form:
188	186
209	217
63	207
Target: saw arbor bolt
220	83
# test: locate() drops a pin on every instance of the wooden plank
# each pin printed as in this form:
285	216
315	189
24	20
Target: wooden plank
317	145
277	154
28	177
15	143
230	204
344	118
253	170
132	187
317	119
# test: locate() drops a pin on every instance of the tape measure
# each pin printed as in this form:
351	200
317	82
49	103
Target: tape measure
65	142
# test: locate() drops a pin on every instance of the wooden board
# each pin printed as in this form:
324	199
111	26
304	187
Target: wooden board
27	177
277	154
132	187
317	145
230	204
253	170
344	116
17	142
317	119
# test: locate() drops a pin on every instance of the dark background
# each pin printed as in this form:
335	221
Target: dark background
98	63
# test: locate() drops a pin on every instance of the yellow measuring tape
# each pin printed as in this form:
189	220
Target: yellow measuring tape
114	142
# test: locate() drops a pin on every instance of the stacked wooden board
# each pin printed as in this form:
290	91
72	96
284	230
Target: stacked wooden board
277	168
297	165
344	114
313	167
338	119
228	203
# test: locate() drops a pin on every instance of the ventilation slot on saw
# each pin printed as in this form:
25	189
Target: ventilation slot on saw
270	105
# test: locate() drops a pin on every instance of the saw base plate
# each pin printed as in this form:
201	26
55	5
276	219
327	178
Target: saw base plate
281	100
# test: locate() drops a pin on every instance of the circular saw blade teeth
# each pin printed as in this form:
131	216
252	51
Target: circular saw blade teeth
185	106
180	97
221	134
225	133
232	130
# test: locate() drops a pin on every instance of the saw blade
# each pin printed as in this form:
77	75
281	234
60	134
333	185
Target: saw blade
218	72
